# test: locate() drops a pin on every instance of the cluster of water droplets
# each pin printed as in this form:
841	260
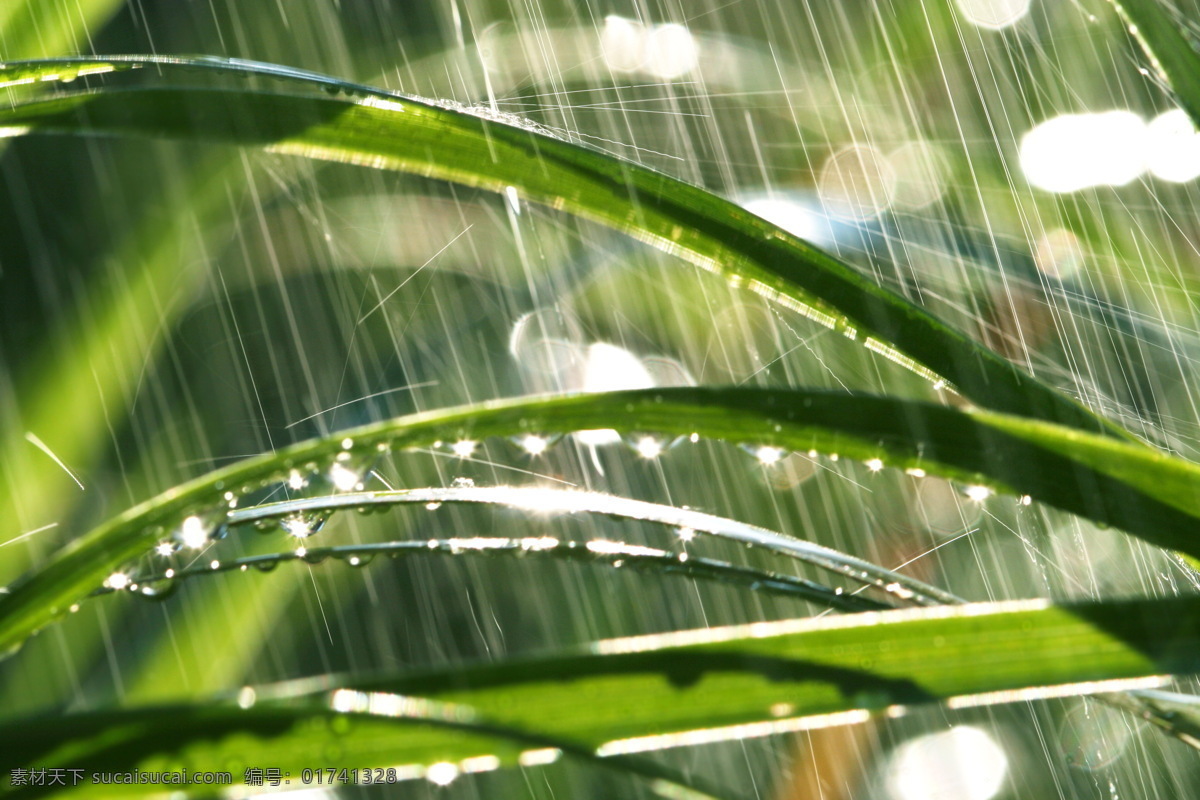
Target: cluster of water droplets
183	549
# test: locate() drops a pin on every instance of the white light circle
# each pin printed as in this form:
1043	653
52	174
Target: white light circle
963	763
993	14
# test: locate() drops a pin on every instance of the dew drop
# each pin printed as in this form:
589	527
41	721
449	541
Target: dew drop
978	493
117	581
344	479
765	454
534	445
193	533
442	773
647	447
302	526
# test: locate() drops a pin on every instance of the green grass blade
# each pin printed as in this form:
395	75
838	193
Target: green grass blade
651	561
1176	714
1144	492
380	740
545	500
1173	56
385	130
624	697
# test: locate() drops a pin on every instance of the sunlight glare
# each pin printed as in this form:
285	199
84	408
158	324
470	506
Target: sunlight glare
1079	151
993	14
963	763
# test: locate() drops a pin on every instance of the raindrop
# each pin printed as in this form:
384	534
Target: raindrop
160	591
344	479
977	493
647	447
117	581
194	533
296	481
765	454
533	444
302	526
442	773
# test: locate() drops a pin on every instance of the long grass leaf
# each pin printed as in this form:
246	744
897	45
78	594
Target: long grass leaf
1142	491
1173	56
651	561
493	151
623	697
547	500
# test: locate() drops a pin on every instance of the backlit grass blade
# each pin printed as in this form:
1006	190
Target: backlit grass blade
651	561
625	697
381	738
1174	57
558	501
501	153
1144	492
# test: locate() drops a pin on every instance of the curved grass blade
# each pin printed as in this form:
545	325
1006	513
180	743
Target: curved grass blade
649	560
391	739
1176	714
622	697
502	153
1144	492
560	501
1173	56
